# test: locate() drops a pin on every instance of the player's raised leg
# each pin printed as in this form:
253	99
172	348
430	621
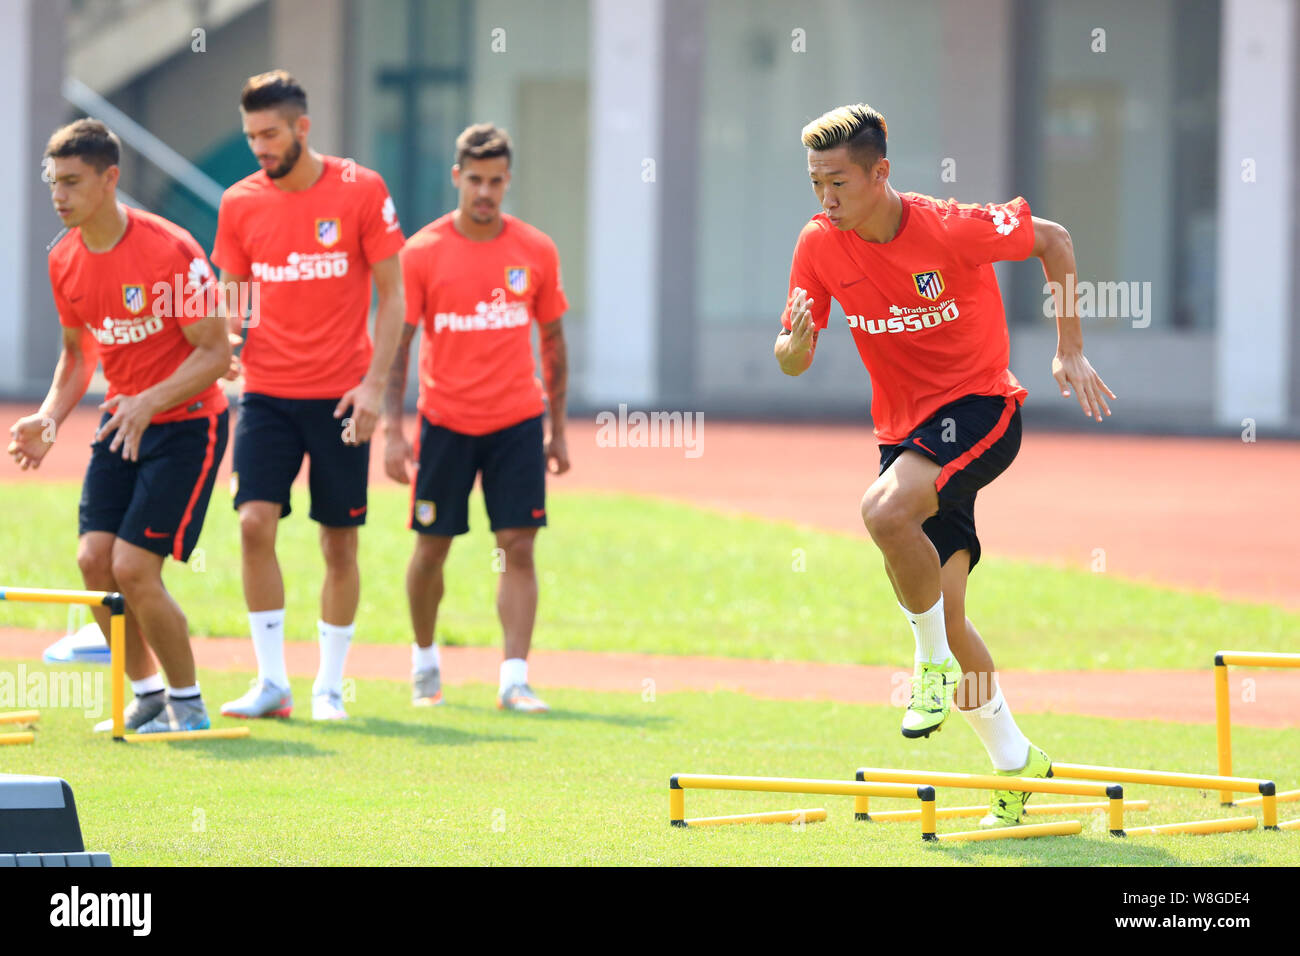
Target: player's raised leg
424	590
894	510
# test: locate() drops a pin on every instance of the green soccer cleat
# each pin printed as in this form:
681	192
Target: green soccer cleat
1007	808
932	687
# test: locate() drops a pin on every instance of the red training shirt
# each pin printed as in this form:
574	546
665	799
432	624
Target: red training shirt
135	299
478	301
924	308
310	253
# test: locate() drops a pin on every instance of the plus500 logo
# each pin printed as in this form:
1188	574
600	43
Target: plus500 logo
905	323
126	331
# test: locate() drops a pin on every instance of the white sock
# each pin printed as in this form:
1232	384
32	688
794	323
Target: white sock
267	628
148	685
928	629
514	670
334	641
423	658
992	722
182	693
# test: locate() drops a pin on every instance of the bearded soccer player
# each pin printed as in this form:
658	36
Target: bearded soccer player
137	292
311	231
914	276
478	279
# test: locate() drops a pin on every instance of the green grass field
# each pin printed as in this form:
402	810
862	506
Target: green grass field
620	573
587	784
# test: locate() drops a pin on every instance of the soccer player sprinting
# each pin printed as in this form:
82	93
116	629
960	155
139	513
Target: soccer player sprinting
478	279
137	292
309	230
914	277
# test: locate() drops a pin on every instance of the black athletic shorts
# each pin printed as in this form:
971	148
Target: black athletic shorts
513	464
271	437
973	440
158	502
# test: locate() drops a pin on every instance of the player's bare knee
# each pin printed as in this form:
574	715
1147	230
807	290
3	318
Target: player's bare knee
518	548
133	572
430	553
339	547
96	563
257	529
885	514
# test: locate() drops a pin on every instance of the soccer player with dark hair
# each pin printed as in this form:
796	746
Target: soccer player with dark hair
914	276
478	279
311	231
137	292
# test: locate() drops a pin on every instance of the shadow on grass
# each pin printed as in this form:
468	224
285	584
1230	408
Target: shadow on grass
614	720
1046	851
436	734
243	748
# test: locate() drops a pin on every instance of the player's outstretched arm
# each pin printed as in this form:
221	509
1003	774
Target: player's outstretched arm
209	361
33	435
795	346
1070	367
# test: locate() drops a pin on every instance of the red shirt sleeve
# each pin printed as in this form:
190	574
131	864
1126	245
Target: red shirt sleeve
803	274
193	264
994	232
412	259
66	316
551	301
228	251
381	233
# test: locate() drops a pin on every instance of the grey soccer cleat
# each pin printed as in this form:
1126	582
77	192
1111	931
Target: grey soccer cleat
264	700
426	687
187	714
521	698
140	711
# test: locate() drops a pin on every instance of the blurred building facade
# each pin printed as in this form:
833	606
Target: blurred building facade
658	143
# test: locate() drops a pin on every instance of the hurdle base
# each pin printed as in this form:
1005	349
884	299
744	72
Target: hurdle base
1226	825
1020	832
215	733
813	815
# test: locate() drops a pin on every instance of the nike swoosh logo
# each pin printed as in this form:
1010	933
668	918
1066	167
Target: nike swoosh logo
539	512
917	441
845	285
156	534
357	512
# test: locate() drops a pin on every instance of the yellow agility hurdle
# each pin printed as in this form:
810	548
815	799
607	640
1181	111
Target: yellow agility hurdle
1035	810
987	781
116	605
1266	789
679	783
1222	707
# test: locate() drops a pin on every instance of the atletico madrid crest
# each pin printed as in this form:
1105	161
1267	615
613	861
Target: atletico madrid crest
133	298
929	285
327	232
425	511
517	279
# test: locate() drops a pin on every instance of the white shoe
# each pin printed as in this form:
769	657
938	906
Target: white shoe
264	700
328	706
